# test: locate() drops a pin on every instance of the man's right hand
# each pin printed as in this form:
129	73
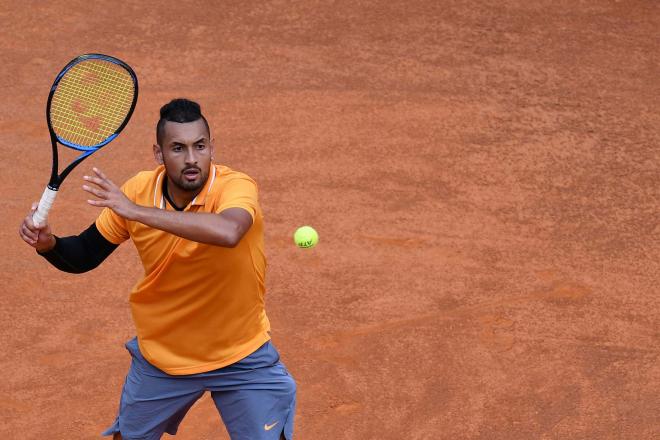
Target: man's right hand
39	238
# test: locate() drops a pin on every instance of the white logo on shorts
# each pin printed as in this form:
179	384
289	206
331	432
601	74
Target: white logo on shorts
269	427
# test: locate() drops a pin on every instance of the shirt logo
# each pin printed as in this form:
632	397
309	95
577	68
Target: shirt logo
269	427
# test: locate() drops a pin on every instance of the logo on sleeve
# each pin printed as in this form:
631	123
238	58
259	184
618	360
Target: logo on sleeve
269	427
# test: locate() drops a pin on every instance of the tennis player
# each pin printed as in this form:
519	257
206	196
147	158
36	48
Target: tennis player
199	308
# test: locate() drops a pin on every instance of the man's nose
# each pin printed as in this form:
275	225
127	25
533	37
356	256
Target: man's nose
191	157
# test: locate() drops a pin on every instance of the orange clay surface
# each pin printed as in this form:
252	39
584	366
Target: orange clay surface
483	176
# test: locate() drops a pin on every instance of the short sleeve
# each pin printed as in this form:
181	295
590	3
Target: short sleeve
239	192
112	226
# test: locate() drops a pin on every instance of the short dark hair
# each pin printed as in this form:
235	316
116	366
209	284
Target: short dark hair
179	110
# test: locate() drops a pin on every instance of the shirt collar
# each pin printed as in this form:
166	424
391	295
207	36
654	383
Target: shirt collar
199	200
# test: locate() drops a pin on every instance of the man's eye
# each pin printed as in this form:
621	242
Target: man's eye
176	148
201	146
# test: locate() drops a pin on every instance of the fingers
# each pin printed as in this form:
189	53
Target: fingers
100	180
101	203
27	235
27	230
103	190
97	181
28	222
101	194
102	176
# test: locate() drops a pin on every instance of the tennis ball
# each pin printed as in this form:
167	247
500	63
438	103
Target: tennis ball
306	237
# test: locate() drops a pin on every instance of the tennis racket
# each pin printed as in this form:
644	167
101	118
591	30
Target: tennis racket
89	104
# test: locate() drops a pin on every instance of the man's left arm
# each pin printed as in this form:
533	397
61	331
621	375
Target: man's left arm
224	229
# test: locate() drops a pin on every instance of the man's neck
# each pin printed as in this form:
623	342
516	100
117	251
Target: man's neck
177	197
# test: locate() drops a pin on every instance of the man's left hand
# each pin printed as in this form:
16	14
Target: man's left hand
109	195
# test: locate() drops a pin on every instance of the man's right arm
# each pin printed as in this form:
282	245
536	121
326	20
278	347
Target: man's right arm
75	254
79	253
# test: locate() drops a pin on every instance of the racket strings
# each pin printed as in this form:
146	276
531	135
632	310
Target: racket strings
91	102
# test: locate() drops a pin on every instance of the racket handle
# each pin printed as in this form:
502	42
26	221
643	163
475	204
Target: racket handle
46	202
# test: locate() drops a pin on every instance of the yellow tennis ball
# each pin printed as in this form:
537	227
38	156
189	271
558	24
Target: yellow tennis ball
306	237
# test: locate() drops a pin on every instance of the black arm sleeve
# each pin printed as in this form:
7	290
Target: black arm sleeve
80	253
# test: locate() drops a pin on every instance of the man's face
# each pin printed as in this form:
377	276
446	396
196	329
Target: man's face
186	152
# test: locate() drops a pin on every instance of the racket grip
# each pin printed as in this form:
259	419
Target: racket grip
46	202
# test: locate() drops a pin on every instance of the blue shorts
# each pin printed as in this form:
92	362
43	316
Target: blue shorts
256	397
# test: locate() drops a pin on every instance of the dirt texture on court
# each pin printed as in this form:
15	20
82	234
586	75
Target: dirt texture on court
483	176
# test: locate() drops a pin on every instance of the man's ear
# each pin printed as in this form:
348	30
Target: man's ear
212	146
158	154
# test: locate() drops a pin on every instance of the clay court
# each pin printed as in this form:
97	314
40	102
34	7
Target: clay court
483	176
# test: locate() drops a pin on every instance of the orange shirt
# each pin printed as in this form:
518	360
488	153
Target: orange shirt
198	307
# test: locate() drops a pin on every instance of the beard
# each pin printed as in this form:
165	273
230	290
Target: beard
183	183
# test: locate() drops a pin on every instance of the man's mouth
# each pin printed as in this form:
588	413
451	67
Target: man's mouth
191	173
